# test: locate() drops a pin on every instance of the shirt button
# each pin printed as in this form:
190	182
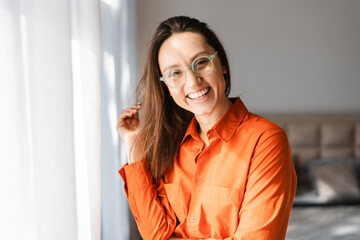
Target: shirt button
192	219
199	181
211	133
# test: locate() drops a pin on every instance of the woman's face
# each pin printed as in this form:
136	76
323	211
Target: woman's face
203	96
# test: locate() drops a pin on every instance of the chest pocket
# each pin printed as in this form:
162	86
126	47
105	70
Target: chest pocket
220	206
217	208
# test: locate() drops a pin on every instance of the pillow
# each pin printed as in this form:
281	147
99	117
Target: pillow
335	179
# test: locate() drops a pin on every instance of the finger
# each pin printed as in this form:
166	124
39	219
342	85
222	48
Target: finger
128	110
136	106
131	112
127	114
139	104
124	121
133	108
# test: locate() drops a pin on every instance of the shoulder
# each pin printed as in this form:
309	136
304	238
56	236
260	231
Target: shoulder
256	132
259	126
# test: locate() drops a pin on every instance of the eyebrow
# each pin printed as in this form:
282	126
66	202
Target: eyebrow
191	60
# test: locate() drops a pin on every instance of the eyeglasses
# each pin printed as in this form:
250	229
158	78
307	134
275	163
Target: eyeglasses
201	67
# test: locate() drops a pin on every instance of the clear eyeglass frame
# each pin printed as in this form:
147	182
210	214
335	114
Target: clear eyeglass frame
191	67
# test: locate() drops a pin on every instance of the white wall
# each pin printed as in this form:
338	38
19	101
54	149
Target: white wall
286	56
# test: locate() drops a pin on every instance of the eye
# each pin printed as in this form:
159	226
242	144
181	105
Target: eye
200	63
174	73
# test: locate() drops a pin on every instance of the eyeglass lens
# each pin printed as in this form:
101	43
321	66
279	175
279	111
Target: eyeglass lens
200	67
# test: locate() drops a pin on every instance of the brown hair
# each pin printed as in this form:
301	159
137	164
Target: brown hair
162	122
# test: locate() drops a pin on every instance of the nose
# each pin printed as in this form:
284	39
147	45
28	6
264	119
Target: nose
191	79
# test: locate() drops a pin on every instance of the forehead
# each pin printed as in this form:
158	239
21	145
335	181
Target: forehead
182	47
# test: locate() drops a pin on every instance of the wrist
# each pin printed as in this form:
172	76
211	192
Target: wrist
132	153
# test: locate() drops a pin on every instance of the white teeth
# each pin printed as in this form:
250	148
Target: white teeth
199	94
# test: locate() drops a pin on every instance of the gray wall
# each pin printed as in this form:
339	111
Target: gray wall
286	56
118	52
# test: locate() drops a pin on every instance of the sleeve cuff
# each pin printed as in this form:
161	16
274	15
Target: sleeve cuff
136	176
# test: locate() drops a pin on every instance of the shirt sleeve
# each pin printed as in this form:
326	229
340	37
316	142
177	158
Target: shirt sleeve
270	189
151	209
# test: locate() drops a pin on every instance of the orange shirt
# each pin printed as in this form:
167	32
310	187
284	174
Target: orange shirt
241	186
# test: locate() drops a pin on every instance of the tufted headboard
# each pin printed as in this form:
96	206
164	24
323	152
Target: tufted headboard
319	136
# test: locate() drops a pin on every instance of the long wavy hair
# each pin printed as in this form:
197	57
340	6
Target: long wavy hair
162	122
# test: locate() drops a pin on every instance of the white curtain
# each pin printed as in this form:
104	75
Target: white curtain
50	128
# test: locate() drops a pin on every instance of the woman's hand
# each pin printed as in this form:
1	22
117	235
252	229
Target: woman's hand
128	126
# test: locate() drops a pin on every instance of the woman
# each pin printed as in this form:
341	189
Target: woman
200	165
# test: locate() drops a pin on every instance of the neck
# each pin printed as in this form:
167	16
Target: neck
206	122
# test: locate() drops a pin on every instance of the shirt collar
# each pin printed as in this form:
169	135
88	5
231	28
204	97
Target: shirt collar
226	126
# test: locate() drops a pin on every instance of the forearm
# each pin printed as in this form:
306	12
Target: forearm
149	205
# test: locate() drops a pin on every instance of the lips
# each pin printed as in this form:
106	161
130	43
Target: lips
199	94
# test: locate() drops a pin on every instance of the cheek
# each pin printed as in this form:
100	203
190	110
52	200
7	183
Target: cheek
220	71
171	91
220	79
175	94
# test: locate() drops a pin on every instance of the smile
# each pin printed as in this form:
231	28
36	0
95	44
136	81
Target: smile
200	94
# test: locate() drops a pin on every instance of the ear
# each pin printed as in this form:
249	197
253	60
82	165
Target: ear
224	69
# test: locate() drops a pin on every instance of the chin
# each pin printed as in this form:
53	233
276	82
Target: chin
201	111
